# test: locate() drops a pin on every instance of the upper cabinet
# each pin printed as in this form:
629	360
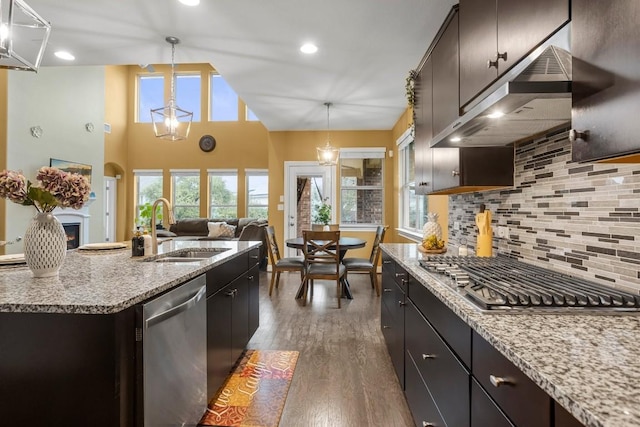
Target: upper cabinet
496	34
423	129
606	79
446	76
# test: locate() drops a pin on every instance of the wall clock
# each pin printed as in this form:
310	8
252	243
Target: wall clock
207	143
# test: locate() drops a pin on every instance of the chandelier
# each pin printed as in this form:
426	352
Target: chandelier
23	36
328	155
171	122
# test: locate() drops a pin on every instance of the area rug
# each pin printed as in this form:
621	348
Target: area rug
255	393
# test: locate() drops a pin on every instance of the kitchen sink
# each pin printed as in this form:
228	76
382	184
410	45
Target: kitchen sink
188	256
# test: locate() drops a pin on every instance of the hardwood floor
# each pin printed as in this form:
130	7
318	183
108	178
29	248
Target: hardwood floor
344	375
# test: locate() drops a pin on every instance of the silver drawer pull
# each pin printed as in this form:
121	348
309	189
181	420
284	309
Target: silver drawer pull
428	356
427	424
386	290
386	327
498	381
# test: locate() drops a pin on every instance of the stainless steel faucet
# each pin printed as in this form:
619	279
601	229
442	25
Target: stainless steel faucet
172	220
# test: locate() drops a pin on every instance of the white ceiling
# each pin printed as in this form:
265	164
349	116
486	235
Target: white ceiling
366	48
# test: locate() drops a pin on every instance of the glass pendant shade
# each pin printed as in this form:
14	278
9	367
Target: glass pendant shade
328	155
171	122
23	36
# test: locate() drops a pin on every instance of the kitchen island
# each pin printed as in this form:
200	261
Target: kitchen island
588	364
72	345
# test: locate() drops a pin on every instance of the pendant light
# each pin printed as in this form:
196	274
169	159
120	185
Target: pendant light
171	122
23	36
328	155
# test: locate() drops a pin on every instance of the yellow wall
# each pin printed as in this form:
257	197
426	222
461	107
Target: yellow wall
301	146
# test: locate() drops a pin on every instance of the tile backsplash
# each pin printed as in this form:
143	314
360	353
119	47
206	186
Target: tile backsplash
579	218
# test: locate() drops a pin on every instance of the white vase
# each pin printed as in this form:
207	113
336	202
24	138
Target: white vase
45	245
432	226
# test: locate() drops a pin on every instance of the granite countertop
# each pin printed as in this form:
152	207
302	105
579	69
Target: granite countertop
107	281
590	364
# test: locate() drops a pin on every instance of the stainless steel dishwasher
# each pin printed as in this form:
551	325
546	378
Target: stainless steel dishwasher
174	346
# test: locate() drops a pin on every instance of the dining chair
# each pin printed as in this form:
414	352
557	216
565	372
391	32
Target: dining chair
322	260
279	264
369	265
320	227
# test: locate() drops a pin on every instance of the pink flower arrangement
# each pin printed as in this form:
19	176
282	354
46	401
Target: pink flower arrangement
55	188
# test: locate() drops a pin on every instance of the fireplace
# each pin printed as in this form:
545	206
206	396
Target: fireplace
76	225
72	230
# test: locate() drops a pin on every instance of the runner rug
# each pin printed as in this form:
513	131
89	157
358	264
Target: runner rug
255	392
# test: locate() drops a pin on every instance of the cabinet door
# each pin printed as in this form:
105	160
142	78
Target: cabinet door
484	411
562	418
239	316
606	78
392	323
423	409
446	168
478	36
524	24
219	357
254	299
446	102
423	129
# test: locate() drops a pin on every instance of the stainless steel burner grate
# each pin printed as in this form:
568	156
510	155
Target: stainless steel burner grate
505	283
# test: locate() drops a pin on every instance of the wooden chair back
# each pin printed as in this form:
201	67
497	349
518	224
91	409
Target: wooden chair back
274	251
375	249
321	248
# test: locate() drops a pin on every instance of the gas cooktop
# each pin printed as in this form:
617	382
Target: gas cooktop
503	284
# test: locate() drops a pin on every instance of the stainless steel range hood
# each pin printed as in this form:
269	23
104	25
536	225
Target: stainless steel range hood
534	96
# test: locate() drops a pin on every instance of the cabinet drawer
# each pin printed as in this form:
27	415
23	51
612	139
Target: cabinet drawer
526	404
453	329
401	278
225	273
484	411
422	406
445	377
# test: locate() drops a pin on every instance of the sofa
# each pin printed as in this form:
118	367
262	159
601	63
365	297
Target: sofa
243	229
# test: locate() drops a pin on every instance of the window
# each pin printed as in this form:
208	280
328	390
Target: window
150	95
223	193
250	116
413	207
188	93
224	101
148	188
185	193
257	193
361	186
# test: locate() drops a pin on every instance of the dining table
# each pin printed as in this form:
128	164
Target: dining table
345	243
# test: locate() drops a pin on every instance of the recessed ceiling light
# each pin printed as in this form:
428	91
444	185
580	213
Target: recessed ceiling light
190	2
455	139
308	48
63	54
496	115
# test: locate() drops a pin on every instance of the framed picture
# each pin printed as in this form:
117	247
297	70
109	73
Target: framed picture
73	167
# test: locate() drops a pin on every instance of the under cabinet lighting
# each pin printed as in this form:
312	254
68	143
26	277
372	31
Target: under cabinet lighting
496	115
308	48
190	2
455	139
62	54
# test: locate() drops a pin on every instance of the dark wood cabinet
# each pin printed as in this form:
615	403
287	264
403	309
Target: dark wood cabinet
232	316
562	417
484	411
445	377
472	168
496	34
526	404
423	408
606	79
446	75
392	315
423	110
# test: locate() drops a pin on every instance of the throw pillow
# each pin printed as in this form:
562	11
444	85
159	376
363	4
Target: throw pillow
215	229
228	230
221	229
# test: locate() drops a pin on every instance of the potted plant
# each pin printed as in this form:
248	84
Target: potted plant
323	214
144	218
